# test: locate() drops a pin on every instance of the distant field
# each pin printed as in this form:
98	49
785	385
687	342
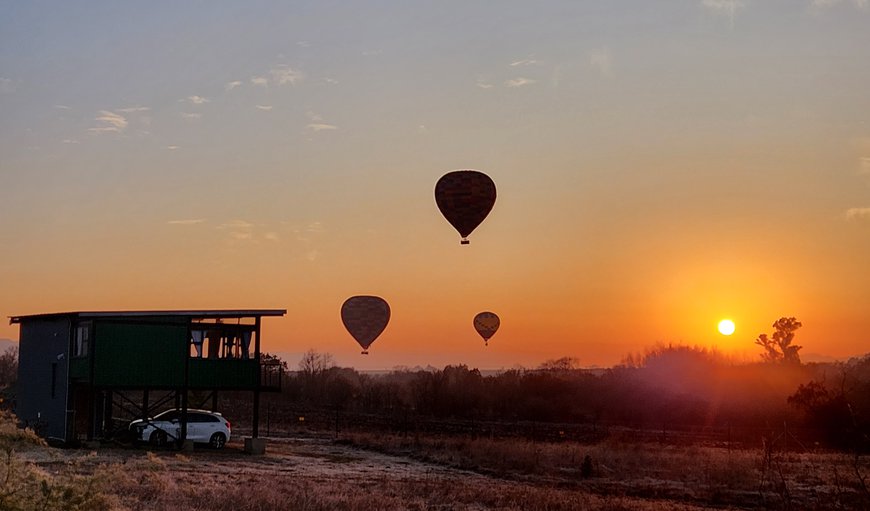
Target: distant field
394	472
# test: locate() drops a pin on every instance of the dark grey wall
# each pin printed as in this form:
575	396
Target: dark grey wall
43	343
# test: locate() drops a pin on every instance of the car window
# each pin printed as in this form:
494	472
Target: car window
199	417
168	415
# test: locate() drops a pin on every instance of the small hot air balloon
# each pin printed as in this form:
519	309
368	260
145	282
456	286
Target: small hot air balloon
486	324
465	197
365	317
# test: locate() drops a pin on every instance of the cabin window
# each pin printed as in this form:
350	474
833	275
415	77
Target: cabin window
220	344
196	340
82	341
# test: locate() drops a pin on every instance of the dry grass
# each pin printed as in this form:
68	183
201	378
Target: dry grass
425	473
245	491
13	436
693	474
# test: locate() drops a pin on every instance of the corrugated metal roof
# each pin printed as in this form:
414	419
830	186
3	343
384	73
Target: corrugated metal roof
193	314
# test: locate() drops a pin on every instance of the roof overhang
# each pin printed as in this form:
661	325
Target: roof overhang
191	314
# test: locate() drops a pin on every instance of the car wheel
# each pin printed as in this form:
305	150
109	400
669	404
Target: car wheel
217	441
158	439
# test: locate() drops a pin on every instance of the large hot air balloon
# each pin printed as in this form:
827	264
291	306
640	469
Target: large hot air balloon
486	324
365	317
465	197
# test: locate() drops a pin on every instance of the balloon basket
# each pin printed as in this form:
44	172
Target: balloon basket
365	352
464	242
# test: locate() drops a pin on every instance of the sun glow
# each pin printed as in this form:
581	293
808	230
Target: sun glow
726	327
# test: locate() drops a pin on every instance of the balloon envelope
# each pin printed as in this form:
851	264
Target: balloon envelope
365	317
465	198
486	324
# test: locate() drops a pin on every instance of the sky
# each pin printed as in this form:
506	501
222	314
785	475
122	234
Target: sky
660	166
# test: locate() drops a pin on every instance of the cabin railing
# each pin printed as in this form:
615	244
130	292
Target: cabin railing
271	375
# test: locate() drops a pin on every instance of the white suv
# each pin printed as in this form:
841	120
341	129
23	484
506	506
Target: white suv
203	427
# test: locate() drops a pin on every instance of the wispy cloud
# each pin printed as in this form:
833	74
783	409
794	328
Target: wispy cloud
518	82
483	84
280	74
62	107
727	8
109	122
238	230
241	235
524	62
236	224
133	109
187	221
232	85
331	81
601	60
858	214
112	121
821	4
317	123
303	233
265	108
172	147
316	126
188	115
865	166
70	141
315	227
283	75
6	86
271	236
196	100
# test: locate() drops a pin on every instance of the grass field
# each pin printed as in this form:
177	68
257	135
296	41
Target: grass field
364	471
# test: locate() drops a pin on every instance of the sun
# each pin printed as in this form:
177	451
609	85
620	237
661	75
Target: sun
726	327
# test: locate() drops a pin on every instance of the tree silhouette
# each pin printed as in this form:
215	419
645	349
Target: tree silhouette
779	348
8	367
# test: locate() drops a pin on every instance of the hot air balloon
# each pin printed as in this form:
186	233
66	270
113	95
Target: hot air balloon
465	197
486	324
365	317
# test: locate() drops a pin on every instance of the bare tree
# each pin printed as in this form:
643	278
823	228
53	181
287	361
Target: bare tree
779	348
8	367
561	364
314	363
314	374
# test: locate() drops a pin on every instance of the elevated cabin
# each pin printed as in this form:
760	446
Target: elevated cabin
79	371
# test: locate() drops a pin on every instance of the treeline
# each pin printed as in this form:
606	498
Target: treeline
670	387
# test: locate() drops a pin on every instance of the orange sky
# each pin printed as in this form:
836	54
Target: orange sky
659	168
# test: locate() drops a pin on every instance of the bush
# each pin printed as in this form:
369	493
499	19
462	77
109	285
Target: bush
25	487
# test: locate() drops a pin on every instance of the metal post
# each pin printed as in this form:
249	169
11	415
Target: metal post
185	387
255	422
107	417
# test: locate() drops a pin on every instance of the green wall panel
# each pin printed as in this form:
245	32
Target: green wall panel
137	354
223	373
80	369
